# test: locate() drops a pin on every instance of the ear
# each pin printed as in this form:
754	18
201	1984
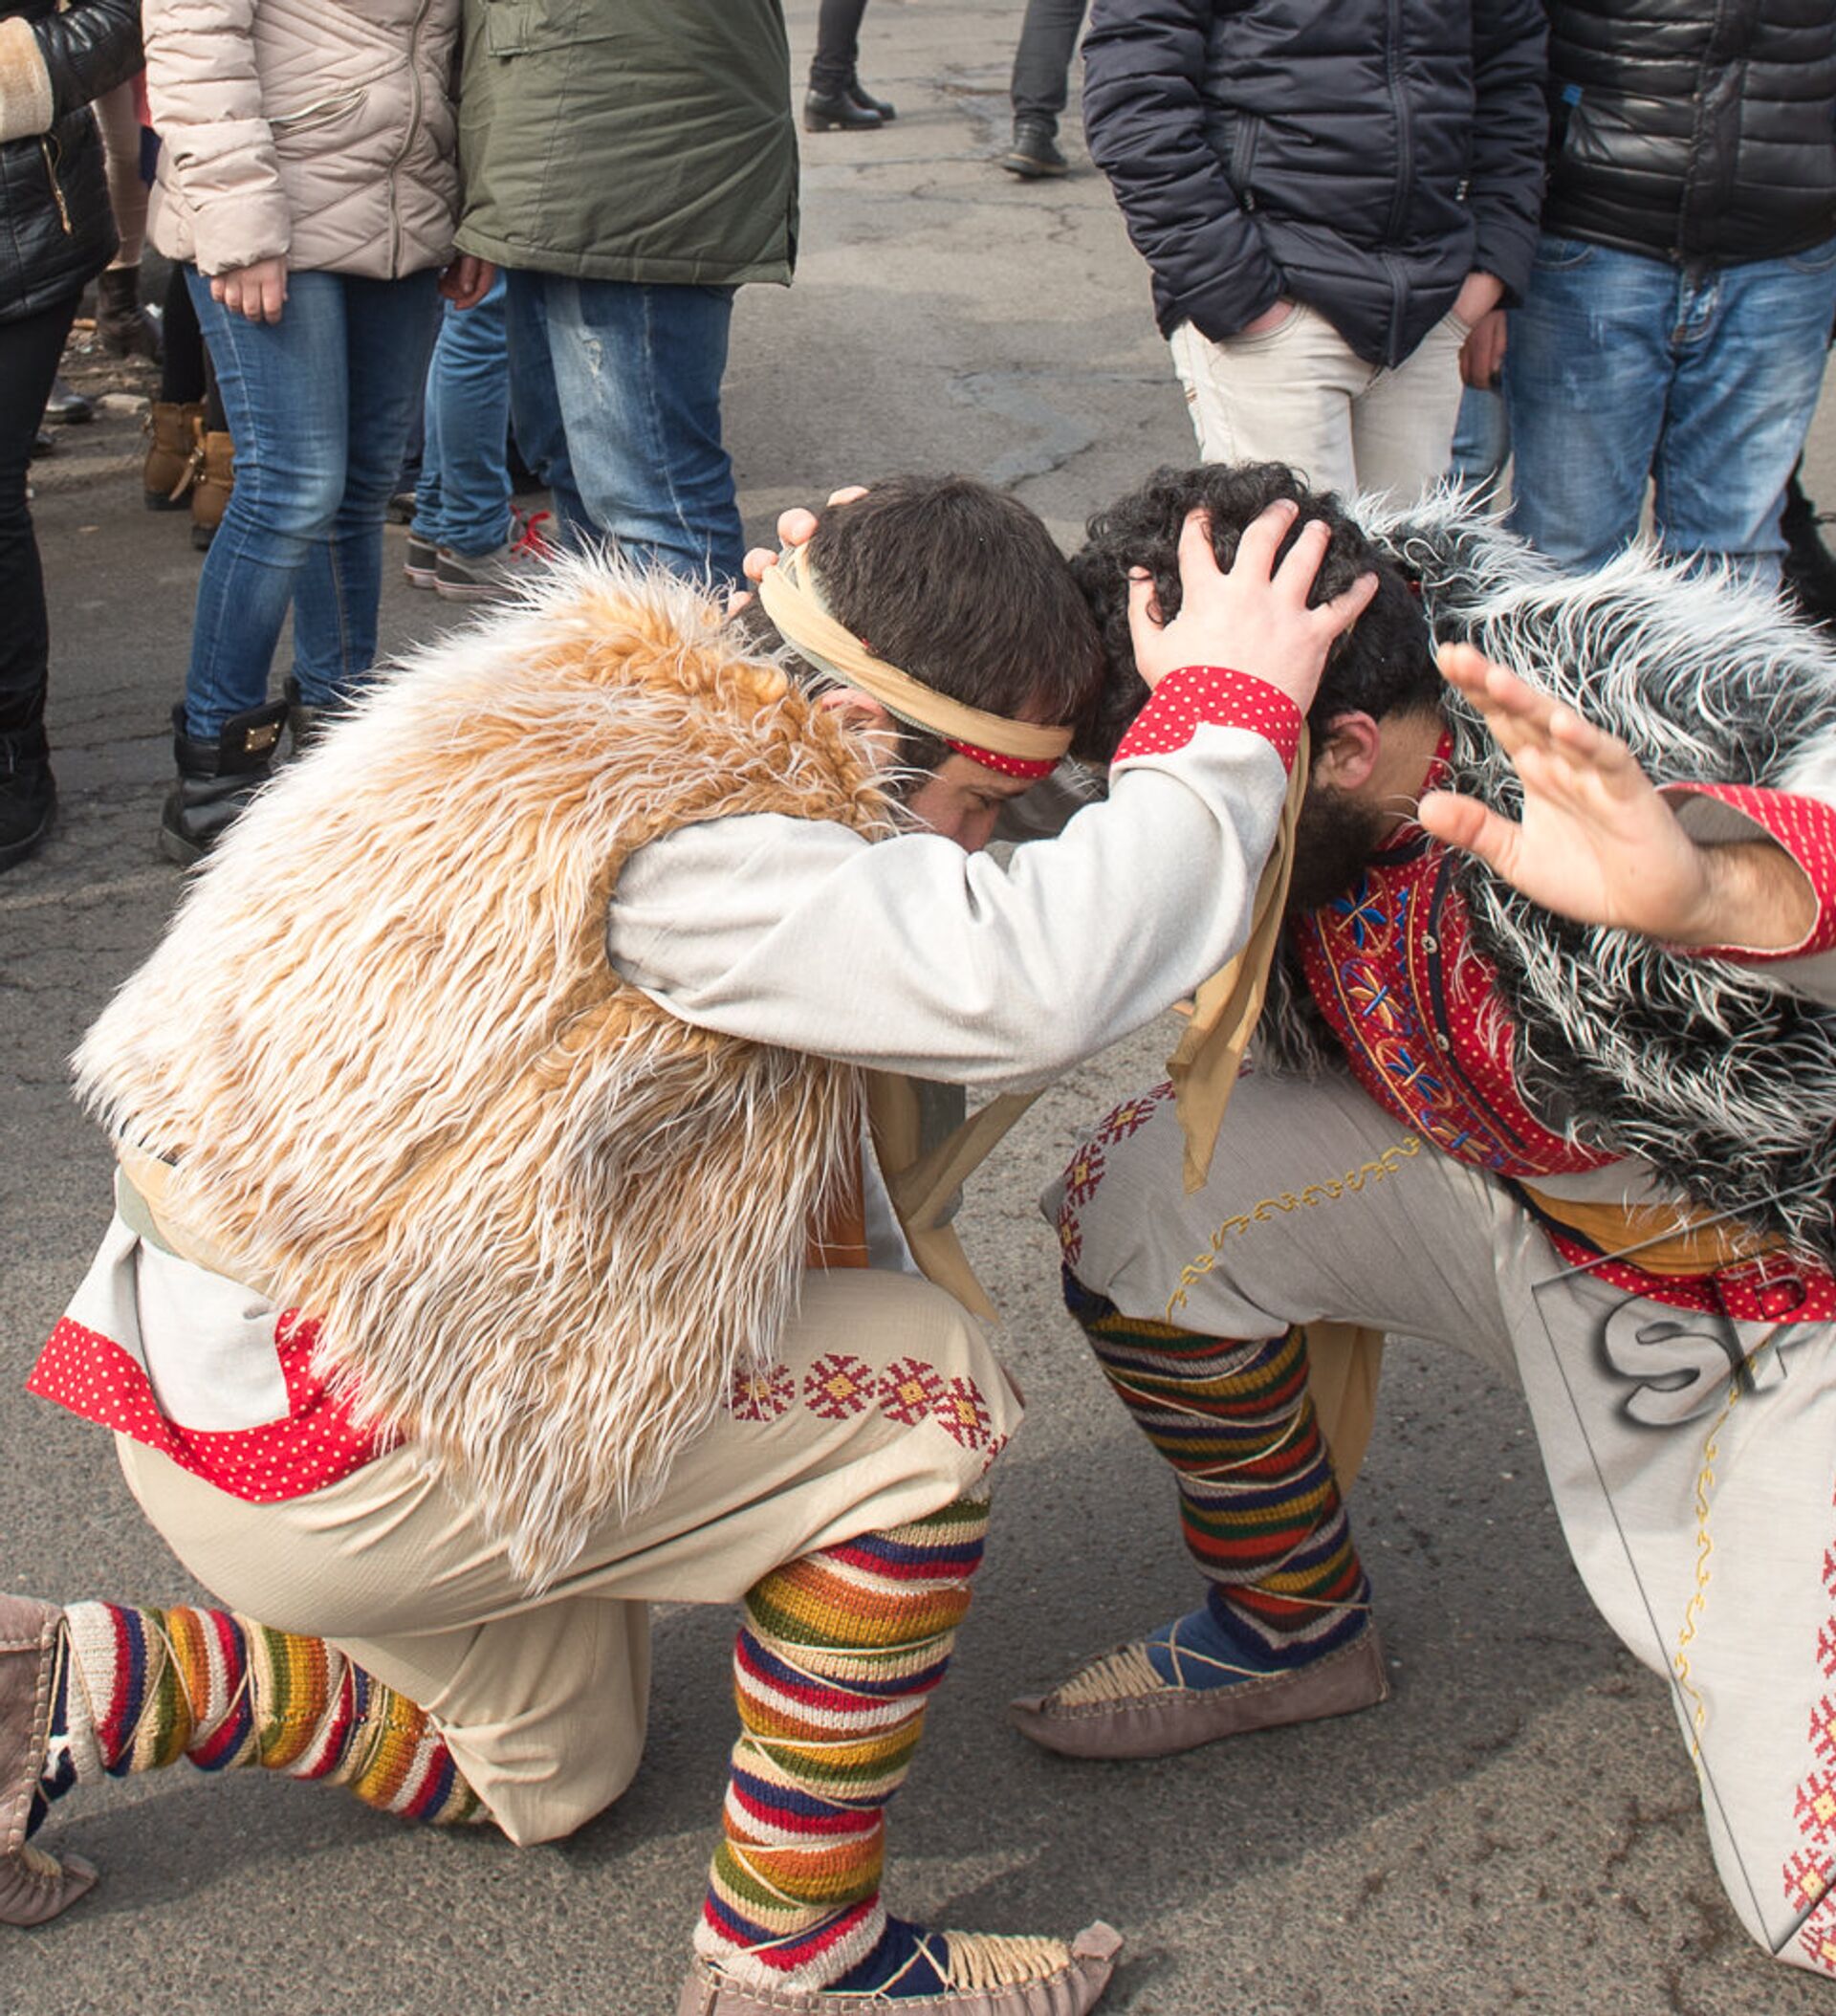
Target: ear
861	708
1348	752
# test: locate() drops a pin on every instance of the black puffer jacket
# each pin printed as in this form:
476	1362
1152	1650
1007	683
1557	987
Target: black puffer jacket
1363	157
55	227
1702	131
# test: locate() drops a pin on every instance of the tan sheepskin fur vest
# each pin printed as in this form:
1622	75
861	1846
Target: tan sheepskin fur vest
541	1221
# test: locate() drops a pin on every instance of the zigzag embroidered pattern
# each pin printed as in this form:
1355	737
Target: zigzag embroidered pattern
1310	1198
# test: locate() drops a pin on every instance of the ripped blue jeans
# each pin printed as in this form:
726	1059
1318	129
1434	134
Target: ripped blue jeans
615	396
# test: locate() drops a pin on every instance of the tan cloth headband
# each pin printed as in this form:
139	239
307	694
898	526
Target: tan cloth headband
795	604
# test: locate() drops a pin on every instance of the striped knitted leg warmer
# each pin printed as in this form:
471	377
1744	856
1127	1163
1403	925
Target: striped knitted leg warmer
138	1689
834	1661
1259	1505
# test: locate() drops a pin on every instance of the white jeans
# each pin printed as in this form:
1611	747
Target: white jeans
1298	393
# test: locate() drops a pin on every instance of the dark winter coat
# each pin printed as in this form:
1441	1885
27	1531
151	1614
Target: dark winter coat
1702	131
56	230
1361	157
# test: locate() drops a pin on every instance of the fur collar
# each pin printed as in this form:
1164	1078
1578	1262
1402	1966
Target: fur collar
1706	1069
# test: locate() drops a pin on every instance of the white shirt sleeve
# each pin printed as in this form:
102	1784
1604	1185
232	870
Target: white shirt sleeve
908	954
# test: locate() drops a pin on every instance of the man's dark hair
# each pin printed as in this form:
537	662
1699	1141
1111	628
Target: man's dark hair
1384	663
964	588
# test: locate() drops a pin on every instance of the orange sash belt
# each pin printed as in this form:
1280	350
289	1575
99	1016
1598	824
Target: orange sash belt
1659	1239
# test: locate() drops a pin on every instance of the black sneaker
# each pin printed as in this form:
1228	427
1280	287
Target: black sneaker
1035	151
27	795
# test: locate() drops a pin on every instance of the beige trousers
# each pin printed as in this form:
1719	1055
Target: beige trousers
889	1404
1298	393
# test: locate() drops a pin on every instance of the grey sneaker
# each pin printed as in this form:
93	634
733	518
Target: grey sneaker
422	564
489	577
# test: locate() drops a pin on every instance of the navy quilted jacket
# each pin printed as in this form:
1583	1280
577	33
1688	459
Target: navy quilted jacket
1361	156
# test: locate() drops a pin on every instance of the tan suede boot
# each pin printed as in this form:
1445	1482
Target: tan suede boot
33	1885
174	453
210	495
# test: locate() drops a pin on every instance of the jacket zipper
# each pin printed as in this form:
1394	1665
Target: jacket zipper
408	137
57	188
1399	202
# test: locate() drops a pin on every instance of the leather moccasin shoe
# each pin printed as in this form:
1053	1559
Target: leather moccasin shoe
1118	1706
1069	1989
33	1885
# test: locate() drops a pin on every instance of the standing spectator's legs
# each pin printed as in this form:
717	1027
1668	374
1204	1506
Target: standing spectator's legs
286	394
463	502
1750	355
122	325
637	373
536	403
1282	396
1481	444
1586	378
30	347
1043	59
388	330
1402	423
837	47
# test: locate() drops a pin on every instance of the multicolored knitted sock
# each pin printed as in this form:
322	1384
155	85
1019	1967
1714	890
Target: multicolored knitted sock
834	1661
138	1689
1259	1505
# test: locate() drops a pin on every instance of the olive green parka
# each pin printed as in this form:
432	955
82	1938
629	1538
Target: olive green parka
645	141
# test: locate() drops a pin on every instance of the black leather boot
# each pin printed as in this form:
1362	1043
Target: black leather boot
858	95
123	326
306	720
1034	152
836	112
27	795
217	777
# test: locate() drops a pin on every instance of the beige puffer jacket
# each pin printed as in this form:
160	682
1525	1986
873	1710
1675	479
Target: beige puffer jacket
320	129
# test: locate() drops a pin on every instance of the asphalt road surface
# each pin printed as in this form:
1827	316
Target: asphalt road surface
1516	1829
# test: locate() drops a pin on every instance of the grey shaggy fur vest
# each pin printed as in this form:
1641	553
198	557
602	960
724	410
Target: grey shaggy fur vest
1709	1071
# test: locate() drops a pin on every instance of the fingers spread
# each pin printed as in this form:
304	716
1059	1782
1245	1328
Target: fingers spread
1261	539
795	527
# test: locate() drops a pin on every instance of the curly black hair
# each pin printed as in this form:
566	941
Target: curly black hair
1385	663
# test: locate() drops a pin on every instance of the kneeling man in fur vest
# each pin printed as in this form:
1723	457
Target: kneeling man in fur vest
1546	1072
503	1240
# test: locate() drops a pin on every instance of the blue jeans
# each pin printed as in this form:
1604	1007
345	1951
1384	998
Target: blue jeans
615	392
319	405
1481	443
462	501
1622	369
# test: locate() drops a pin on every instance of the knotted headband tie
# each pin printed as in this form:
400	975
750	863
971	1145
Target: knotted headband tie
794	601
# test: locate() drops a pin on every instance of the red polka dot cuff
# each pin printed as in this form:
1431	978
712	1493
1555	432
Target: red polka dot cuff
1805	827
1203	695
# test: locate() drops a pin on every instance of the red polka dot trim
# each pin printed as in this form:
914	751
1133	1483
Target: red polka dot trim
1007	766
1805	827
1212	696
1775	1287
313	1446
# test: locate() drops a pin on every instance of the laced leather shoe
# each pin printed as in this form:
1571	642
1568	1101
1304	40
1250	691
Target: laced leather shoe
35	1885
1118	1706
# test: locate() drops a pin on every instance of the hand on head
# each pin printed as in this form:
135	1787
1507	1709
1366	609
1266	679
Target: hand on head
795	527
1253	618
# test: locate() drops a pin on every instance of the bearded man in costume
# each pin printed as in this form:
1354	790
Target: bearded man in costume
505	1238
1547	1071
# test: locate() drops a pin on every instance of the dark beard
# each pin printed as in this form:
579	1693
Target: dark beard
1334	840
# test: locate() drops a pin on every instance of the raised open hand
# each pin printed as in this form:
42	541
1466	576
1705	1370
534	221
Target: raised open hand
1597	841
